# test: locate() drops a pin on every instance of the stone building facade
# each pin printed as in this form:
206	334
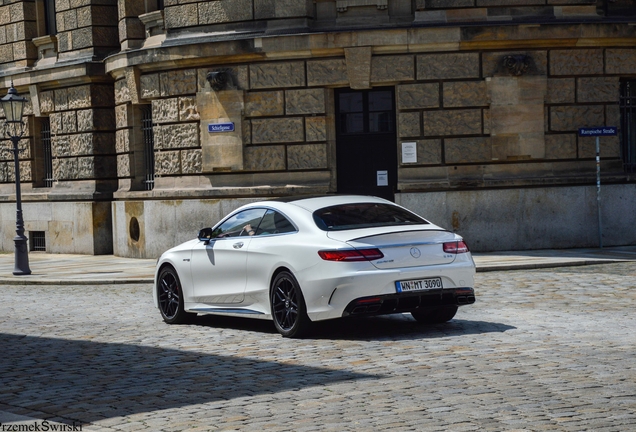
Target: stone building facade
162	116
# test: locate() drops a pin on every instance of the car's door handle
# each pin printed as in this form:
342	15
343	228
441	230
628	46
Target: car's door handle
238	245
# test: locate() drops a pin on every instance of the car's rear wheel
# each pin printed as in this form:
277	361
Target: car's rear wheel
289	311
435	315
170	296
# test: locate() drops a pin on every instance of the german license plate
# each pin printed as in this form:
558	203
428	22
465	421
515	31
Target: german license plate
419	284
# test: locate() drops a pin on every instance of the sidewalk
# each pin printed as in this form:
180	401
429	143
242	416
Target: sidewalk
63	269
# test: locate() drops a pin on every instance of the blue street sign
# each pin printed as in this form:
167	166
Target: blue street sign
598	131
221	127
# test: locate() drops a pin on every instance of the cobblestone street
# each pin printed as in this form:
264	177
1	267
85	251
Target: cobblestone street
540	350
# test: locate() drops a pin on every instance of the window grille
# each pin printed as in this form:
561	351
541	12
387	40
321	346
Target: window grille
628	125
149	147
45	137
38	241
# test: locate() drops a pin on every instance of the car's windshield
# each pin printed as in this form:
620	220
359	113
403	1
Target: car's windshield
363	215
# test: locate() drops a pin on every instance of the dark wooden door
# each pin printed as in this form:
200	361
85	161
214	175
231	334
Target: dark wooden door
366	142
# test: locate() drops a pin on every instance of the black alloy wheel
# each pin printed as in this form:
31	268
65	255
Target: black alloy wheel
170	297
437	315
289	311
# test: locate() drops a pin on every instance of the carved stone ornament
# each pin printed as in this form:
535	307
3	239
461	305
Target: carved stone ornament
516	65
342	5
220	80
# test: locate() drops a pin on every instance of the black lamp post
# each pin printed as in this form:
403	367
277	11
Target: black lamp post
13	106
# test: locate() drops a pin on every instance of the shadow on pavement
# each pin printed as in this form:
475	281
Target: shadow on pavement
85	381
385	327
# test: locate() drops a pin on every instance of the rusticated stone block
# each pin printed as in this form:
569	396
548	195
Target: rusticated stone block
123	165
101	96
122	141
561	146
429	152
83	38
327	72
492	63
268	103
560	90
467	150
358	62
315	129
60	146
191	161
247	132
265	158
81	144
168	162
61	99
279	130
105	166
149	85
3	172
165	110
447	66
268	9
609	147
95	119
216	12
576	62
414	96
409	124
65	168
392	69
56	123
305	101
620	61
79	97
47	104
455	122
465	94
612	115
188	109
122	116
307	156
571	118
69	122
181	16
598	89
122	93
272	75
177	83
177	136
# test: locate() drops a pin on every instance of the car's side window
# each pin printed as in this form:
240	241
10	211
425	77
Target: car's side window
241	224
274	223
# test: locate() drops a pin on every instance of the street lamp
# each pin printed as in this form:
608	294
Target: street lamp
13	106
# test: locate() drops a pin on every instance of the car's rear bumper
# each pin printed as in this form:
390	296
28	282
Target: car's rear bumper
408	302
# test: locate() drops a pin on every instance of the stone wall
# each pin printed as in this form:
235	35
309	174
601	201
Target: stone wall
17	28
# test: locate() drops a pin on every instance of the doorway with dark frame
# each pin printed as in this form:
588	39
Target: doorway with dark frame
366	142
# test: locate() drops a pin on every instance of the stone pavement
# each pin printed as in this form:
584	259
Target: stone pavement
540	350
62	269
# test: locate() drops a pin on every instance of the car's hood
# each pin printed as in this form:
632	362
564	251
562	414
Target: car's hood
403	247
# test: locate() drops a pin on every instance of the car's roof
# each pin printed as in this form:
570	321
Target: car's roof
315	202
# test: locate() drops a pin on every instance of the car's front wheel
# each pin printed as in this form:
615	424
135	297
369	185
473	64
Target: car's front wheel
170	296
435	315
289	311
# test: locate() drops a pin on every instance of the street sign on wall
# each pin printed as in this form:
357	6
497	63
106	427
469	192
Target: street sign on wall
221	127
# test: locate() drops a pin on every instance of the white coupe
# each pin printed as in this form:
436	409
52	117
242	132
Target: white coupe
304	259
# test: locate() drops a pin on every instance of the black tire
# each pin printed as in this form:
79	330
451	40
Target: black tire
289	311
438	315
170	298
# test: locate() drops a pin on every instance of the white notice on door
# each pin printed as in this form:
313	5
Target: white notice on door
383	178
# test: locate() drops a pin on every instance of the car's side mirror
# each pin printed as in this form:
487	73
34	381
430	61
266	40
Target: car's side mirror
205	235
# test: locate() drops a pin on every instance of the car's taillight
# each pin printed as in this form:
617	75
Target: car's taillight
456	247
351	255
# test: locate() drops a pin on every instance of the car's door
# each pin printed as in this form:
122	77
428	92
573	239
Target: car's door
219	265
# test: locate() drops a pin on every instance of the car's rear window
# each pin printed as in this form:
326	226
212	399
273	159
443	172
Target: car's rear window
363	215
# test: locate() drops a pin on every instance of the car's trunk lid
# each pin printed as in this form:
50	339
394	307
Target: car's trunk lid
405	248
